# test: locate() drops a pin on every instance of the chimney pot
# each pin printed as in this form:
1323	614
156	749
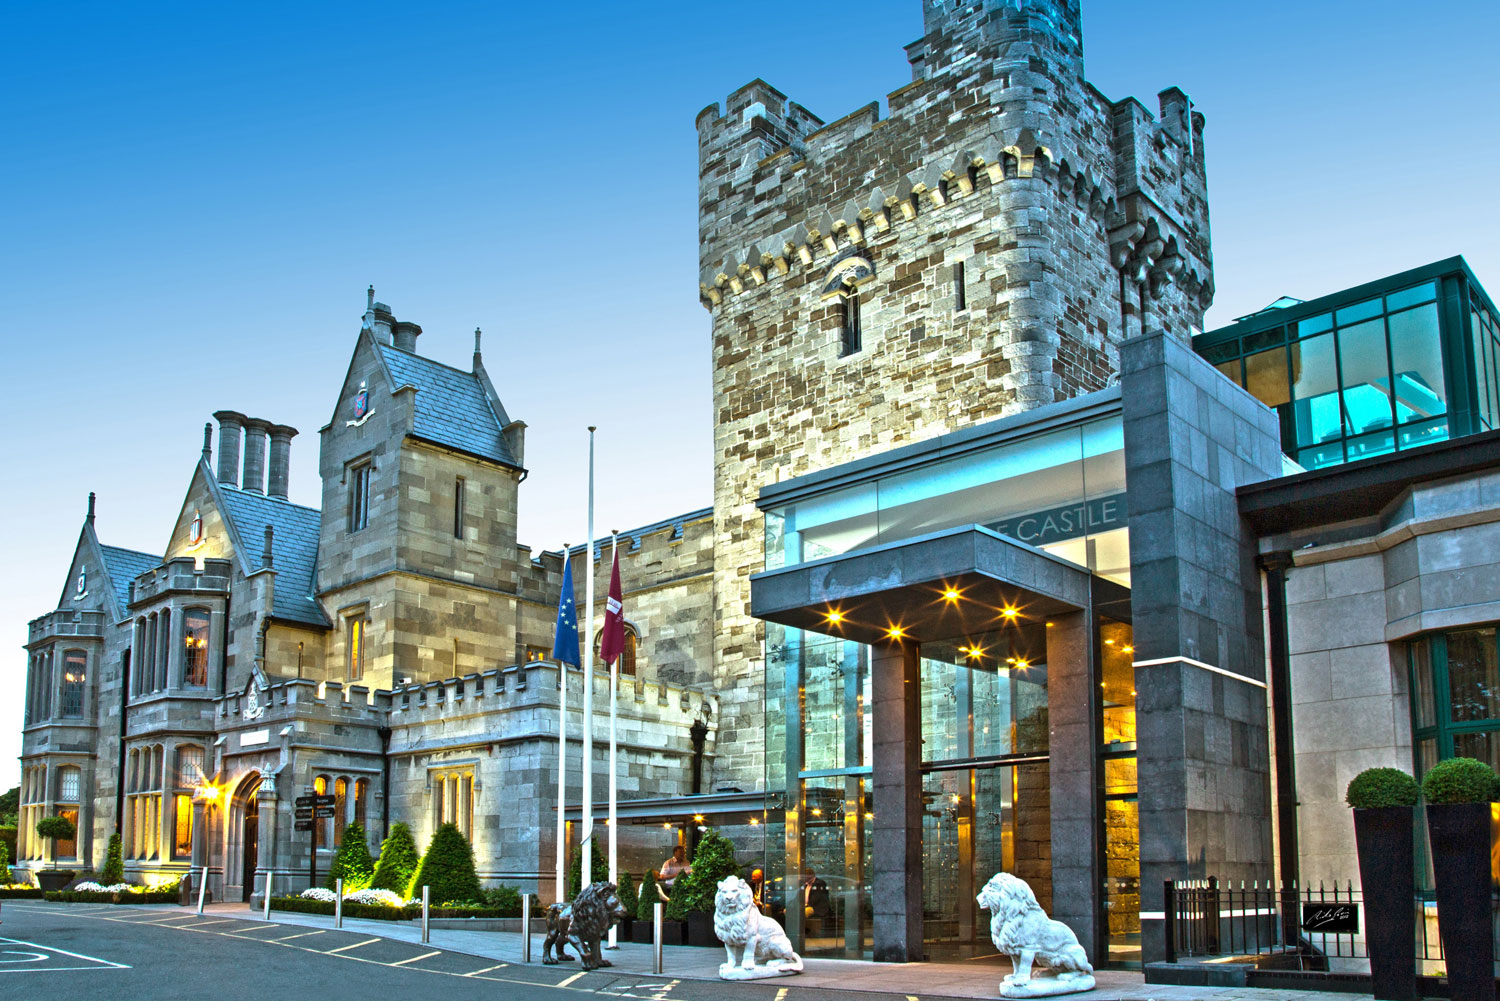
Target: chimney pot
91	507
265	553
381	322
254	477
278	475
406	334
230	424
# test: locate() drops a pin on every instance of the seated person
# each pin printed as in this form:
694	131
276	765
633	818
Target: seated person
674	867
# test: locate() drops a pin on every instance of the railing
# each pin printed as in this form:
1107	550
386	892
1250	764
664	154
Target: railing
1307	925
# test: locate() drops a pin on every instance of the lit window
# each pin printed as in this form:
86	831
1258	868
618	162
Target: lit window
361	801
358	631
359	497
195	648
340	799
627	655
189	766
182	844
453	800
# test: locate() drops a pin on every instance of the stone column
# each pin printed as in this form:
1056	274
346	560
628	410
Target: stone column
278	476
896	856
230	424
1074	775
255	456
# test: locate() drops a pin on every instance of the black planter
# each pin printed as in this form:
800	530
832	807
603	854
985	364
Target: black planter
640	932
53	879
1387	876
1460	837
700	929
625	928
674	933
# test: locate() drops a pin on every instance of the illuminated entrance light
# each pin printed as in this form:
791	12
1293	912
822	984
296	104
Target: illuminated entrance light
895	632
952	595
1010	612
834	617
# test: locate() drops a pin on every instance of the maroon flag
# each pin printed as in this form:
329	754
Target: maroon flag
612	639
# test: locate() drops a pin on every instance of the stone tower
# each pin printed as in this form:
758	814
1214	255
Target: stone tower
982	250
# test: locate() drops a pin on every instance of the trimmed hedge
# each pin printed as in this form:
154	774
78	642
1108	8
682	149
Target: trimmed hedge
1375	788
448	869
398	861
20	893
95	897
1460	780
377	912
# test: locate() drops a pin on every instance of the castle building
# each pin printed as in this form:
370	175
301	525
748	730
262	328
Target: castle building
1010	566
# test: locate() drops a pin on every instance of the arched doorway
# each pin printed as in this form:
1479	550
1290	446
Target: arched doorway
243	839
251	840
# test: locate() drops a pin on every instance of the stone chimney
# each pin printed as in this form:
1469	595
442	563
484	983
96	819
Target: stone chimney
381	322
266	557
254	479
478	361
278	474
406	334
230	424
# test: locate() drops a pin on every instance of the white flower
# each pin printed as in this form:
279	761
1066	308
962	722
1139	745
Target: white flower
91	887
384	898
318	893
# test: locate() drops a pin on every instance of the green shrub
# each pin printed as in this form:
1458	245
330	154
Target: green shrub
114	863
1459	780
447	870
505	900
695	891
352	861
55	829
398	861
1378	787
629	898
10	809
645	908
599	864
4	864
376	912
20	892
8	839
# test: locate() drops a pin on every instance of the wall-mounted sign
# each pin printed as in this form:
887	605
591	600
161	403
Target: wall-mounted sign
255	737
302	825
1040	528
81	590
1331	918
361	407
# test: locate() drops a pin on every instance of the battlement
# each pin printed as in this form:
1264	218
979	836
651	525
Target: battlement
644	551
300	697
181	574
66	623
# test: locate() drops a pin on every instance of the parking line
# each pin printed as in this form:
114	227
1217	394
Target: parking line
346	948
304	934
568	981
221	921
425	955
497	966
65	952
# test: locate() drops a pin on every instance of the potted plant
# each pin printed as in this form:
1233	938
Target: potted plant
55	829
645	910
1458	793
1383	801
629	899
693	892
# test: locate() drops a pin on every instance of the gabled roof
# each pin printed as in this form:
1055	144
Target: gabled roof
295	547
124	566
452	407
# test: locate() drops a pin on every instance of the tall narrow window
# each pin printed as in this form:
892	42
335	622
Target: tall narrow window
68	783
75	676
182	842
358	630
458	507
361	800
960	297
195	647
162	651
359	497
850	330
627	655
340	804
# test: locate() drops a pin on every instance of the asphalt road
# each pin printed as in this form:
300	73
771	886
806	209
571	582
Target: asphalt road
119	953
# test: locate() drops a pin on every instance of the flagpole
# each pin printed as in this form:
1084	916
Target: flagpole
587	871
614	692
562	769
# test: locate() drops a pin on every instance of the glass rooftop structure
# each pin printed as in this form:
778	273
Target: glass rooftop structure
1388	365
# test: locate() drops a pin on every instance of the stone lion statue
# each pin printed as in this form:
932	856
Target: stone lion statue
1022	930
749	937
584	922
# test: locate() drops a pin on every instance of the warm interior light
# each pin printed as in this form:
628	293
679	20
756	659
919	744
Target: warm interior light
754	822
950	595
835	617
1129	649
697	818
1022	663
895	632
1109	642
1010	612
972	651
666	827
816	812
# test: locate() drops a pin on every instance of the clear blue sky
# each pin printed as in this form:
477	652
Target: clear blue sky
195	197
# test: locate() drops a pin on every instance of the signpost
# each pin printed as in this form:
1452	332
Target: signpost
311	809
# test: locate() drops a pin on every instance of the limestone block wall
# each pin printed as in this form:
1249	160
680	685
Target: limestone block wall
998	155
485	555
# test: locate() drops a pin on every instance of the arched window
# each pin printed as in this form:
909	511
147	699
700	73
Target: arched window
453	799
627	654
74	681
195	647
321	786
69	780
160	674
340	805
361	802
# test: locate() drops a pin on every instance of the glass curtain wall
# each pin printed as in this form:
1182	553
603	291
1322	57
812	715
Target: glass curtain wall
1061	491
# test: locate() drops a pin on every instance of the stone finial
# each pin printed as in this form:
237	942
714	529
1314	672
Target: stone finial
370	297
266	557
208	443
91	508
476	345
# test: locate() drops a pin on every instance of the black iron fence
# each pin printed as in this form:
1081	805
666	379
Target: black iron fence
1306	925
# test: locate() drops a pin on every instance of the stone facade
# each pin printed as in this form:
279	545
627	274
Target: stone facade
389	647
1073	218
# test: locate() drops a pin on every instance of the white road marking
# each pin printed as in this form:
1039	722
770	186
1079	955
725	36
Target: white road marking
221	921
781	994
31	957
576	976
497	966
288	938
47	949
352	945
425	955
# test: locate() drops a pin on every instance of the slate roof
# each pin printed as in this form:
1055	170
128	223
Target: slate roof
295	548
124	566
452	407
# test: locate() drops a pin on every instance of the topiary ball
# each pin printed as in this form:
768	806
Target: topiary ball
1459	780
1374	788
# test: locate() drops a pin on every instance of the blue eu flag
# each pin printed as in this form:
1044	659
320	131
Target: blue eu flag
565	638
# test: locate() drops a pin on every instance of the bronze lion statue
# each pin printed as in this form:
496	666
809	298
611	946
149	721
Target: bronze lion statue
585	922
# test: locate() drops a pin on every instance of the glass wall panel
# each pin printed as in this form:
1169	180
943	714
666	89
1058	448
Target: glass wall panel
1417	360
834	883
1473	676
1366	377
1315	384
1266	377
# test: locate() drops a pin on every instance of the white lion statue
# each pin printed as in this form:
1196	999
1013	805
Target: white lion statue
749	937
1022	930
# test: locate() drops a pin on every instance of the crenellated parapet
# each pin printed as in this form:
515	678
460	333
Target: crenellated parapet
182	575
287	701
67	623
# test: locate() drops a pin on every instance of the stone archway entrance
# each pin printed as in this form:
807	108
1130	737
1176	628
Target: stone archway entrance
243	855
250	839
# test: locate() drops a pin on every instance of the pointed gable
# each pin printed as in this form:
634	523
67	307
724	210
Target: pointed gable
452	407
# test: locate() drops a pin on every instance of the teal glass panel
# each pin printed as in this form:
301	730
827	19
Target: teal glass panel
1366	377
1425	433
1315	324
1417	360
775	540
1221	352
834	523
1367	445
1473	676
1323	455
1358	311
1263	339
1411	296
1315	391
1479	342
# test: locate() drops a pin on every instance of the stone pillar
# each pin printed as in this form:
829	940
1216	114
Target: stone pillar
1203	765
278	478
230	425
896	856
254	479
1074	774
266	831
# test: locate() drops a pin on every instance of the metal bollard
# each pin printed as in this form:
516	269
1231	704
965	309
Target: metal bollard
525	927
659	911
338	902
267	902
425	933
202	889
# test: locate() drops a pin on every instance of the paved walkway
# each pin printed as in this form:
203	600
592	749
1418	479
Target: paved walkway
905	980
